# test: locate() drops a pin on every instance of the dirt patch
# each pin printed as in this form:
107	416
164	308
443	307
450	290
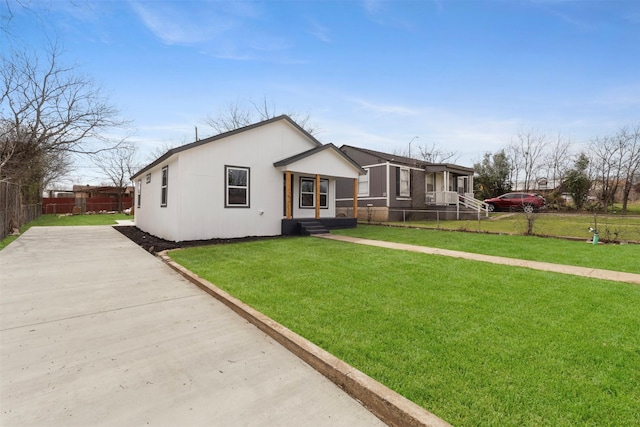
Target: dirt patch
155	244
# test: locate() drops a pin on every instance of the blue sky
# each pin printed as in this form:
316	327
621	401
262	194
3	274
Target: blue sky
464	75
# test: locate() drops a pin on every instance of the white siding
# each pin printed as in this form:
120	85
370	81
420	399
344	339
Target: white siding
196	194
150	217
202	179
326	163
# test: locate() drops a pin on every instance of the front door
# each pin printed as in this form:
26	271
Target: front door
463	184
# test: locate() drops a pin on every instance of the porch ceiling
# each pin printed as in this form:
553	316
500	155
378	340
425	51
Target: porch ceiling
447	167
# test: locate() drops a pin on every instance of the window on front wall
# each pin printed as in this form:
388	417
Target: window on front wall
404	179
430	179
139	192
308	193
237	187
363	184
164	186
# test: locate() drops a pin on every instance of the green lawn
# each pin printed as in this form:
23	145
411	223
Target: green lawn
610	257
474	343
610	227
55	220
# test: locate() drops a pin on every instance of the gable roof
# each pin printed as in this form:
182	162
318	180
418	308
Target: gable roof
389	157
316	150
429	167
214	138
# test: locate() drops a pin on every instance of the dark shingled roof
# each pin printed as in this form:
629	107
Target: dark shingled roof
430	167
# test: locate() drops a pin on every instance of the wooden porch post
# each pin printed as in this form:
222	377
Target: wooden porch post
355	198
317	196
287	191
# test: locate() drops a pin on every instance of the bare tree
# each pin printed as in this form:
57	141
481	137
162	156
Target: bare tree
59	165
630	156
558	158
513	158
434	154
233	116
118	166
160	151
48	109
526	152
606	153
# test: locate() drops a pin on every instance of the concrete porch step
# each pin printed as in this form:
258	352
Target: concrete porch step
310	227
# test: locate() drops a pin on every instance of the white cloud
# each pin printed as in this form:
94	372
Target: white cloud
172	25
384	108
320	32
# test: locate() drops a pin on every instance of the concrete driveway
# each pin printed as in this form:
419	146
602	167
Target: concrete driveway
96	331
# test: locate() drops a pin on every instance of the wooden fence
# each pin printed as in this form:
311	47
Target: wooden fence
65	205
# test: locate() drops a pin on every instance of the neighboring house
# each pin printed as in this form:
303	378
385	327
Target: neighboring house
89	191
87	198
266	179
598	188
58	193
540	184
397	187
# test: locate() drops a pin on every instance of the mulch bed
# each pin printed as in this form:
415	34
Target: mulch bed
155	244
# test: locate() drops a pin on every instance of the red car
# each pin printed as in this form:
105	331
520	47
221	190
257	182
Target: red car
527	202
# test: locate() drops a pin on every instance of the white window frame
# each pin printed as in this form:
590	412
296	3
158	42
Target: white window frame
405	178
229	186
363	183
139	192
313	193
164	187
148	178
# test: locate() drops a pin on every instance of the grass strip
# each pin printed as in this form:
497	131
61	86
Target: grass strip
474	343
609	257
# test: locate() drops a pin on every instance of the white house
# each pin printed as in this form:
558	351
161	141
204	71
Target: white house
266	179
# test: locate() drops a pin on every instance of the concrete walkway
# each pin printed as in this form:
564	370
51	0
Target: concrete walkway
96	331
595	273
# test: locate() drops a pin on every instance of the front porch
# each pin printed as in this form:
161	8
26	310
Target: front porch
455	197
445	197
309	190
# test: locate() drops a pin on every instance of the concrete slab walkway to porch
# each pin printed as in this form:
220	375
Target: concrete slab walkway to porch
594	273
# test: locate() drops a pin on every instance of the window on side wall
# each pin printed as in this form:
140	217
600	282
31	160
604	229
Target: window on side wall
363	183
164	187
139	192
308	193
236	187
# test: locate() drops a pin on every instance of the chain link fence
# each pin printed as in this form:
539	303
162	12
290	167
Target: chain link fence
13	214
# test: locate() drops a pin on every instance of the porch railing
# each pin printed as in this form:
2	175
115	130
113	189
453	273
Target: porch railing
473	203
457	199
441	197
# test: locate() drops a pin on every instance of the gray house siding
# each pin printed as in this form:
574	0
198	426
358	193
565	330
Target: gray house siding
378	205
